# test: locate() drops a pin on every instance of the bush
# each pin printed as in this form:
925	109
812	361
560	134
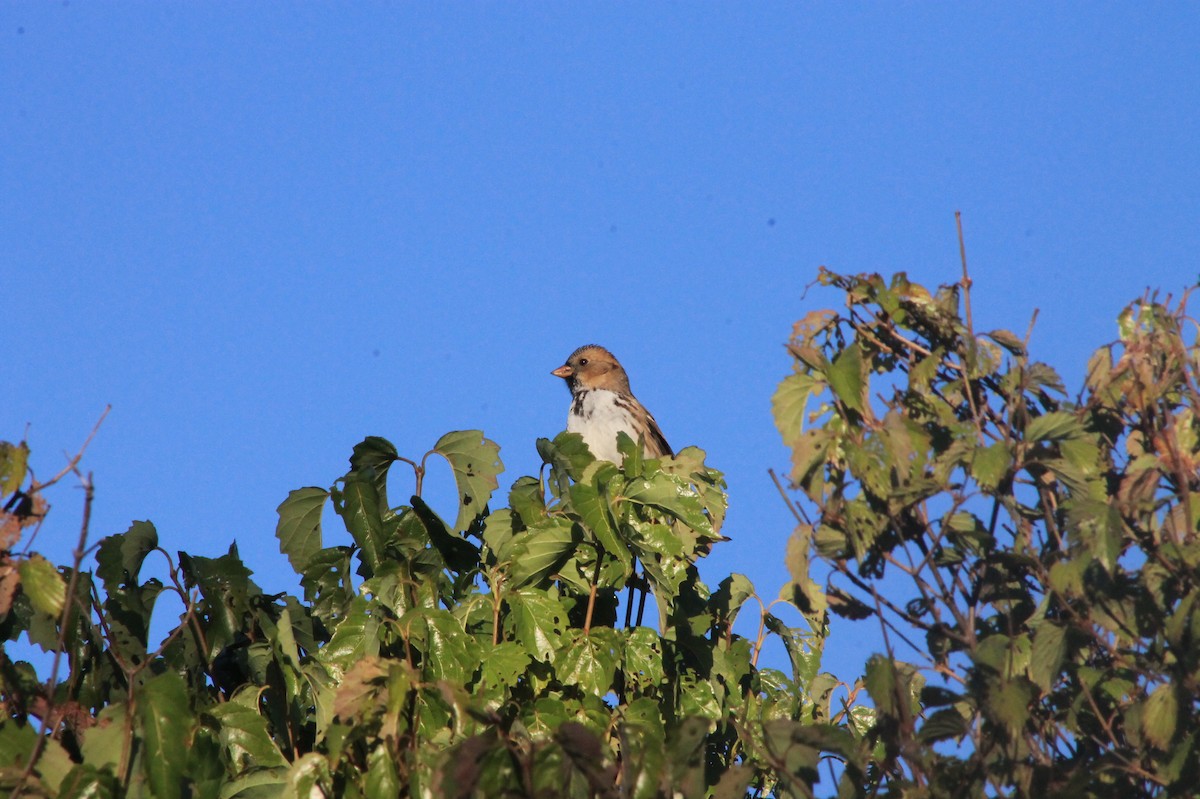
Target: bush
1046	547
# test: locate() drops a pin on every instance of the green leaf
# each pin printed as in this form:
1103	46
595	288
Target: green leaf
13	460
643	664
244	737
804	656
17	742
355	637
540	551
945	723
507	662
1049	651
790	400
990	464
166	726
86	781
299	526
374	455
589	497
1161	716
475	461
673	495
1009	703
44	586
1053	426
1007	340
382	781
450	652
120	557
880	680
527	500
589	661
307	778
357	502
848	378
460	554
535	621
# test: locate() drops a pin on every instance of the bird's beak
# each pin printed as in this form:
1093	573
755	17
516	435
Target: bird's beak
563	371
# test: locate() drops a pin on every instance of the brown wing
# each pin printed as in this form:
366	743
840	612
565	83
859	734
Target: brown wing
656	443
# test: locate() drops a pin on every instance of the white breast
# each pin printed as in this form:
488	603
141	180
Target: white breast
598	417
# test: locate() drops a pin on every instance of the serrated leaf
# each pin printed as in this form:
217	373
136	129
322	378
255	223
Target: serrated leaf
1049	650
1007	340
45	587
789	401
672	495
1052	426
880	681
166	726
535	622
13	460
1009	703
475	461
539	552
120	557
375	455
990	464
448	652
589	497
945	723
505	664
527	500
847	377
1161	716
308	778
589	661
804	656
357	502
244	737
460	554
299	526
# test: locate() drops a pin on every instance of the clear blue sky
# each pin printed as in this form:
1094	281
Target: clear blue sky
264	231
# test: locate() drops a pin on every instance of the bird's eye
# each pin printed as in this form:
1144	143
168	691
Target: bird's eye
583	361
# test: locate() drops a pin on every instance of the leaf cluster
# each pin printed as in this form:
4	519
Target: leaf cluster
1041	552
483	657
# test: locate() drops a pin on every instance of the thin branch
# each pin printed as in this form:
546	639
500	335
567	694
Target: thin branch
966	278
89	493
72	462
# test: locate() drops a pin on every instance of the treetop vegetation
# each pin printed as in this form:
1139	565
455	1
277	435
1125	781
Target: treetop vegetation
1037	622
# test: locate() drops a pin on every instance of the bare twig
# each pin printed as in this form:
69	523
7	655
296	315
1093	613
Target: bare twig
51	721
72	462
966	278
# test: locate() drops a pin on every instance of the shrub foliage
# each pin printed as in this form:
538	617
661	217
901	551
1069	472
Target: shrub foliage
1031	561
1042	552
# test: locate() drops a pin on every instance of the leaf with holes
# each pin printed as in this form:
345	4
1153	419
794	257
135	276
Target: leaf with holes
475	461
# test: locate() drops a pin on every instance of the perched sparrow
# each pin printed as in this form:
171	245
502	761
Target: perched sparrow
602	405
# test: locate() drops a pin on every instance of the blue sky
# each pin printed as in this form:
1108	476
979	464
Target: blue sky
265	231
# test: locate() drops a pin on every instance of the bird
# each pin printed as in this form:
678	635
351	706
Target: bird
602	405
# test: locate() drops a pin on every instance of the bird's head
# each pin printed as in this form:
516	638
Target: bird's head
593	367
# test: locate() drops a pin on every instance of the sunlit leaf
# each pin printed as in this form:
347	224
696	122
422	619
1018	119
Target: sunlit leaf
475	461
13	459
166	728
589	661
299	526
848	378
537	553
789	401
45	587
536	622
